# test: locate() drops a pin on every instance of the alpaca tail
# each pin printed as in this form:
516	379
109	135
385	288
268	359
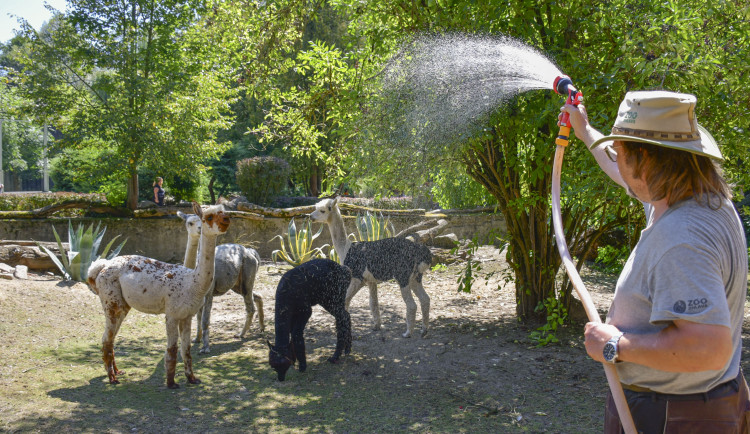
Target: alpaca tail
94	270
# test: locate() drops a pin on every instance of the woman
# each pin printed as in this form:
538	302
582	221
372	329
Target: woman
158	191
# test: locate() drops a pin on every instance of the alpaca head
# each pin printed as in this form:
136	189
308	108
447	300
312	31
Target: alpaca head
281	361
213	219
192	224
324	210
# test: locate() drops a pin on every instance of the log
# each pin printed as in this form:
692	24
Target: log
423	236
276	212
27	253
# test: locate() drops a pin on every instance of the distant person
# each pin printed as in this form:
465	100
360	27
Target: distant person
158	191
2	188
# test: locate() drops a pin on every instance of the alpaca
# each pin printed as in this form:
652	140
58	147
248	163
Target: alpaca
319	281
235	268
372	262
156	287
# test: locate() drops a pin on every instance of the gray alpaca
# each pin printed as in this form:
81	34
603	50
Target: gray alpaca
235	268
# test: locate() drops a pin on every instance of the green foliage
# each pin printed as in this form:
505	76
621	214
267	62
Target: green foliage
371	227
468	275
557	314
28	202
261	179
133	75
84	247
453	189
300	249
473	268
611	259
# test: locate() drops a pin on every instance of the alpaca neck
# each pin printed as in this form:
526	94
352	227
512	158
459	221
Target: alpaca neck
338	234
191	252
204	270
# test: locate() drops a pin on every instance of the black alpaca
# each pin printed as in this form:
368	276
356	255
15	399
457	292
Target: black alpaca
320	281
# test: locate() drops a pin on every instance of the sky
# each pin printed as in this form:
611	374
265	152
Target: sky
32	10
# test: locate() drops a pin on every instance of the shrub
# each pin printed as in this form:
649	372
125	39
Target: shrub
28	202
261	179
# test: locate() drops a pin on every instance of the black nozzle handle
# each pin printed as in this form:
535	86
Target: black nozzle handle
562	85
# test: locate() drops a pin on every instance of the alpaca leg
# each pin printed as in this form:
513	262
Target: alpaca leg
424	303
374	305
259	304
205	321
343	335
123	314
411	309
353	289
108	352
187	358
249	313
170	357
299	321
198	331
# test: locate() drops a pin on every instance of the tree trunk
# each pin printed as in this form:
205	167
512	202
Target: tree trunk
132	201
314	181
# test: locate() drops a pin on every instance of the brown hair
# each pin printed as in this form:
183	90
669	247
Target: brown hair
676	174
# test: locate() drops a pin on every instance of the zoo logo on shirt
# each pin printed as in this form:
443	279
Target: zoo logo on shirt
691	306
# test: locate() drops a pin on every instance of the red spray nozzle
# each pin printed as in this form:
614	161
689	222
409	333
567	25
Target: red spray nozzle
563	85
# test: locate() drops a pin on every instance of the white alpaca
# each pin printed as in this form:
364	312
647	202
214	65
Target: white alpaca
373	262
157	287
235	268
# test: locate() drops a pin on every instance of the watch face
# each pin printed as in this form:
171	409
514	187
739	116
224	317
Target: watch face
610	352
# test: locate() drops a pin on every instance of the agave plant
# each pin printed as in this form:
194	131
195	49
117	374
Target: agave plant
300	248
84	245
373	228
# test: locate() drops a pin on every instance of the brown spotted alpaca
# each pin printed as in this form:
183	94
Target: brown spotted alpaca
156	287
235	268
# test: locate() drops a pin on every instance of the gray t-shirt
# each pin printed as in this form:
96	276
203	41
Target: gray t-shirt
691	264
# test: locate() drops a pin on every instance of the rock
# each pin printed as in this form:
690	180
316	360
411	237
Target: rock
27	253
6	276
5	268
447	241
21	272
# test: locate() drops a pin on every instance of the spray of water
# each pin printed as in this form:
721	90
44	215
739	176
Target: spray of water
443	88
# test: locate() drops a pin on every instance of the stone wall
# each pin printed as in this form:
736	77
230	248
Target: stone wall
165	238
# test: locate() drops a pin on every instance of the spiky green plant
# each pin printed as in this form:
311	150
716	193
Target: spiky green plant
372	227
300	242
83	250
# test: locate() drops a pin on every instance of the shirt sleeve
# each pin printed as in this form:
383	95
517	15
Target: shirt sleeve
686	284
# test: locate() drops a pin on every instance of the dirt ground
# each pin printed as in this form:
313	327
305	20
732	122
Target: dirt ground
475	371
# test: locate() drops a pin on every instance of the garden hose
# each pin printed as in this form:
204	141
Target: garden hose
563	85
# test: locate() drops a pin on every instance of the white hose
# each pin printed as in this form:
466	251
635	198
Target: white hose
562	246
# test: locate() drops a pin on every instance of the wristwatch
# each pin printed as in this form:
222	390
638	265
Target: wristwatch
611	347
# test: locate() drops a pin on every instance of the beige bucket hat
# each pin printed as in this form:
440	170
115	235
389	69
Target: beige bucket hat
662	118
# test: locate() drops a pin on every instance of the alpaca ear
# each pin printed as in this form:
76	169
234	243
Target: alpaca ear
335	200
269	345
198	210
181	215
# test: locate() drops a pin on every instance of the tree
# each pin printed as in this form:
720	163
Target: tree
133	76
23	143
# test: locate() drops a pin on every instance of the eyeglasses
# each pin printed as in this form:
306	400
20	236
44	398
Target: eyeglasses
611	152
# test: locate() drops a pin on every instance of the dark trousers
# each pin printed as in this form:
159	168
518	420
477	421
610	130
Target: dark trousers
723	410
